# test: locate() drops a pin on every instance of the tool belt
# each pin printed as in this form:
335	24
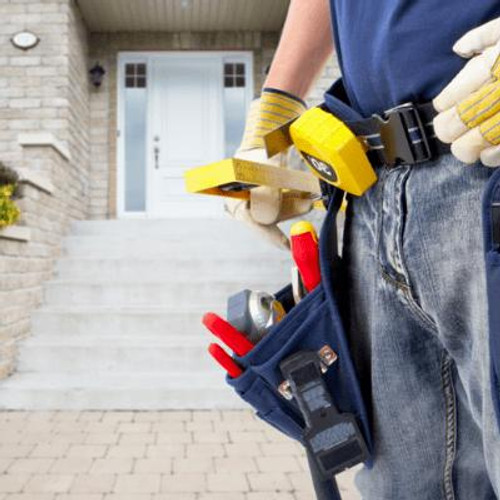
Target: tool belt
315	323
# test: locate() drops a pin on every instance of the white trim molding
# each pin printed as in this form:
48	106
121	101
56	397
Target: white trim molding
44	139
17	233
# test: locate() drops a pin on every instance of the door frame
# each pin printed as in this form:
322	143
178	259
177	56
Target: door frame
147	57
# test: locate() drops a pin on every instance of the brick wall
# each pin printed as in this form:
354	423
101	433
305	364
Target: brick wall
44	134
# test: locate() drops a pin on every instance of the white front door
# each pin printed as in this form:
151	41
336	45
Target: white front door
186	130
188	121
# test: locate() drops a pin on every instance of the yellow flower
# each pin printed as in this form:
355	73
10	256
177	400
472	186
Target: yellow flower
9	212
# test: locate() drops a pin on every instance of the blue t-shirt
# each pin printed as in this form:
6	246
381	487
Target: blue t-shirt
395	51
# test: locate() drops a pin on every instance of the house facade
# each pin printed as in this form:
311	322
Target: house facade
171	83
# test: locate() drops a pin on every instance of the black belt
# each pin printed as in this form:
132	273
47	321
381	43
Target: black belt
403	136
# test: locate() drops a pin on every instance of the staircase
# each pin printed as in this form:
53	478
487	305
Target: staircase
120	324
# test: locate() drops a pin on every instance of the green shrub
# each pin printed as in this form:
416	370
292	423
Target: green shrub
9	211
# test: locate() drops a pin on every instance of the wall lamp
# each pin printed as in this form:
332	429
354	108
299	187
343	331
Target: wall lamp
96	75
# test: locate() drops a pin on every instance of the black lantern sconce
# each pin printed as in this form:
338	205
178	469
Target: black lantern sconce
96	74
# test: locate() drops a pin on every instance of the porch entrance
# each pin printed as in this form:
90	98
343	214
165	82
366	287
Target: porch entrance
177	110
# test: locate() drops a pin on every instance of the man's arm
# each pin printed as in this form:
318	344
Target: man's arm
305	45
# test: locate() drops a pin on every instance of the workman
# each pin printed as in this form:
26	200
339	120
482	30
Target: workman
413	244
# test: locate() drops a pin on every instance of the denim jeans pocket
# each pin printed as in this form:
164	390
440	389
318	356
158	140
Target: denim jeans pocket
491	228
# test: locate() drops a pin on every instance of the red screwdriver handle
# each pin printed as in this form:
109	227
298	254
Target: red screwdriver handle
223	358
226	332
305	253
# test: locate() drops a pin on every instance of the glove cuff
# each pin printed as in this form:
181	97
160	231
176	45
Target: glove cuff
273	109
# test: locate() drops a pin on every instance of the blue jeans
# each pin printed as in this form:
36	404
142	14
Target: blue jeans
418	329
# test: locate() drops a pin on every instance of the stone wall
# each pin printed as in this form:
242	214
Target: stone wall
44	135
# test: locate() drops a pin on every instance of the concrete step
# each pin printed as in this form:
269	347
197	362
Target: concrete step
182	296
171	247
101	355
183	268
116	391
190	228
125	322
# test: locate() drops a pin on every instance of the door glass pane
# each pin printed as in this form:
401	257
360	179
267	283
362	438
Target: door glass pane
235	106
135	98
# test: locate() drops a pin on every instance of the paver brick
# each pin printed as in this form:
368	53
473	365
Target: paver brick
248	437
110	465
137	438
13	483
175	438
87	451
153	466
166	450
126	451
269	481
183	483
236	464
50	450
71	465
31	466
205	450
210	437
138	483
53	483
227	482
101	438
5	464
278	464
80	496
15	450
29	496
222	496
94	483
184	465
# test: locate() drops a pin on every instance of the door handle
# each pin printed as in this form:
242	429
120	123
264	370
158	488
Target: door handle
157	157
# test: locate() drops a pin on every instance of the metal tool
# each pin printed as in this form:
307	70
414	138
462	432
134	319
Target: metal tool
333	439
254	313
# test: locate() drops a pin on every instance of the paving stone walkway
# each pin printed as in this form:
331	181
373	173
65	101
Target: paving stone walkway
193	455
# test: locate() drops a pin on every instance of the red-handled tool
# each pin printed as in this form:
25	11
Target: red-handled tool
305	252
226	361
226	332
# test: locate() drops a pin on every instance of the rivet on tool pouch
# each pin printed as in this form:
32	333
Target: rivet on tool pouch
329	147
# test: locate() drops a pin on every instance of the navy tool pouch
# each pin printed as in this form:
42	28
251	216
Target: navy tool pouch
491	231
312	324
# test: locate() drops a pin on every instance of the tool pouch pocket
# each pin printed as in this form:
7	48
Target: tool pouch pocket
491	229
312	324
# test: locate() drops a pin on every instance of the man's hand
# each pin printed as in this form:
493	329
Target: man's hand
266	206
469	106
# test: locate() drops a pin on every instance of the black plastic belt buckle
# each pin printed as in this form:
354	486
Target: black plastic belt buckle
333	439
404	136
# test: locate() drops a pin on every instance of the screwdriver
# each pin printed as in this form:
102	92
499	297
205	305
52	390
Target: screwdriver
305	252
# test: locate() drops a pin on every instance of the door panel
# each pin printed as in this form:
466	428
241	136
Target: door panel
186	131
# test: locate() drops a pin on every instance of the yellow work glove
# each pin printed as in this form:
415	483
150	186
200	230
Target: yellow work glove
469	107
267	206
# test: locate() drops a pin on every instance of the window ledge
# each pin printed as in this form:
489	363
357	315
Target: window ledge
46	139
18	233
